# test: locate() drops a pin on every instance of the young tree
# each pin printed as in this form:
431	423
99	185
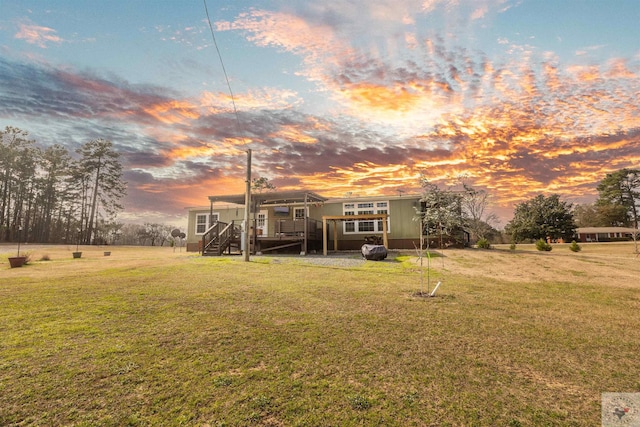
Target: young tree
622	189
101	168
542	217
441	211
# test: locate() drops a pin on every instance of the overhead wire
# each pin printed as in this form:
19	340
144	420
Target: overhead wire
224	70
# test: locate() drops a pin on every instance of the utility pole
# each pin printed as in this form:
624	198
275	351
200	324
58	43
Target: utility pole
247	207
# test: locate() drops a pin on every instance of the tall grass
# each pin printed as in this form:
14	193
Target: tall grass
187	340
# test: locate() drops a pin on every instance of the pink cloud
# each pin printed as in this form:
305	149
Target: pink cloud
479	13
38	35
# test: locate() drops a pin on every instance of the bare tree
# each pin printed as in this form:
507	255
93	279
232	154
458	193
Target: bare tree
475	203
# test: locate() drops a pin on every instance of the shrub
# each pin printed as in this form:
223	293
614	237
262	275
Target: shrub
27	257
575	247
45	257
512	246
542	245
359	402
483	244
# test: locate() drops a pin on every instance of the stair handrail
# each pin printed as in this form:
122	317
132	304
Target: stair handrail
225	238
210	236
218	236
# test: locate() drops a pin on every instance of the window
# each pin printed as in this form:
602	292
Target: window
202	222
298	213
365	208
366	226
261	220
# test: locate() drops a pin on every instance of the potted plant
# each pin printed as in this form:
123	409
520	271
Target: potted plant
77	253
18	261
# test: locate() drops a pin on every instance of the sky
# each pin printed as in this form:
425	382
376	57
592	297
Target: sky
362	97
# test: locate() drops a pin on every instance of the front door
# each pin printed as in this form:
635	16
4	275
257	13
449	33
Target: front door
262	223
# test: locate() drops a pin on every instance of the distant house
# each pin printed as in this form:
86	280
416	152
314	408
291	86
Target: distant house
605	234
305	222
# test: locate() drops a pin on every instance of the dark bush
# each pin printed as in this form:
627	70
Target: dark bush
542	245
575	247
483	244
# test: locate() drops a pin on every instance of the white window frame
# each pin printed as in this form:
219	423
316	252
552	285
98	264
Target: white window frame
361	208
262	222
216	217
296	210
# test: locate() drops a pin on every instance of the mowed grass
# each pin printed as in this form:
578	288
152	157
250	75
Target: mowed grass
151	336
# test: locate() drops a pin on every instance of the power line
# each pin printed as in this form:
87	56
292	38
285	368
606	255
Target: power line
226	77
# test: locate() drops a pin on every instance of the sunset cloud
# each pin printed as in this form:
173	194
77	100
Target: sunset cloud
37	35
363	97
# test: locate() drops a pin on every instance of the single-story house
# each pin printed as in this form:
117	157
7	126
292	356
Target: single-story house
305	222
605	234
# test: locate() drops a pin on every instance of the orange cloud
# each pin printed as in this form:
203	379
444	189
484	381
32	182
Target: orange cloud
172	112
264	98
384	98
293	134
366	178
618	70
585	73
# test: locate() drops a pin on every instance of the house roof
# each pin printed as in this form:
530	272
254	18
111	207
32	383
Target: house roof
272	197
593	230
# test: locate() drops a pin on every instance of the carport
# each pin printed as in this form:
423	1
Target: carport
335	218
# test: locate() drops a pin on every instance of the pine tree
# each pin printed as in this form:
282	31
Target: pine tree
101	169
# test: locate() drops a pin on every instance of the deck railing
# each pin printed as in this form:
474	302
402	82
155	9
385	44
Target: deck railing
287	228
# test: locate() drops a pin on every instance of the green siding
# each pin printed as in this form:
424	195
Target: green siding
226	214
401	214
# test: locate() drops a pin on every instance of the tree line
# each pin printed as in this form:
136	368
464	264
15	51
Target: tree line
617	205
451	213
49	195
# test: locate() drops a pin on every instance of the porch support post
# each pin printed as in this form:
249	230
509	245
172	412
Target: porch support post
247	206
385	239
324	236
306	227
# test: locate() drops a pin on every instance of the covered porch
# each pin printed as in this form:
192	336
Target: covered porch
279	220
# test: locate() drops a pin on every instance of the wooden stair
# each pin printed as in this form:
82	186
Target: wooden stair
221	237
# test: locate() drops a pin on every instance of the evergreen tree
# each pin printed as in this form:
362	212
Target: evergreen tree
54	169
621	190
542	217
100	173
18	157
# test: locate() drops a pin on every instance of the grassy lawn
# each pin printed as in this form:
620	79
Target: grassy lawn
151	336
